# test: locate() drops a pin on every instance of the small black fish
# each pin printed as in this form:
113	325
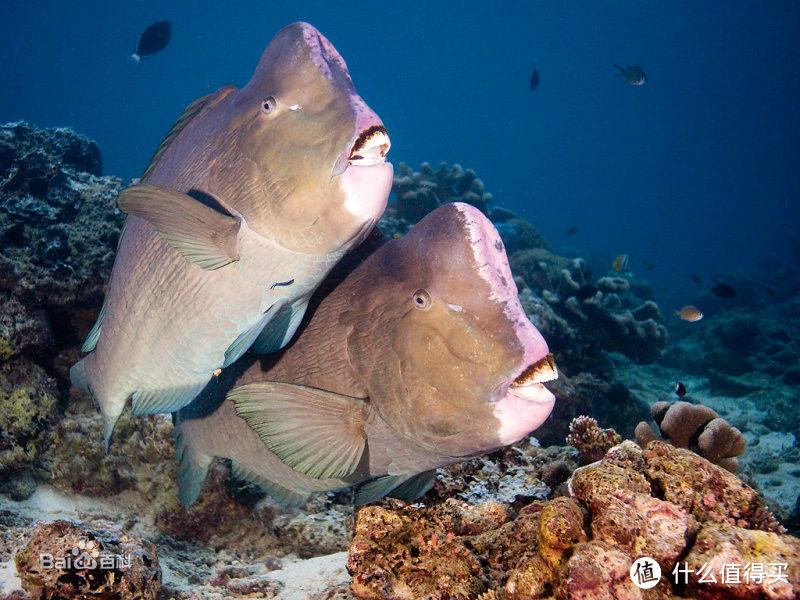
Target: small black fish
154	39
723	290
680	389
770	291
633	75
572	230
535	77
696	279
585	292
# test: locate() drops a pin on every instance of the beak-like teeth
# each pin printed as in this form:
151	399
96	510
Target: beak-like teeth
370	147
542	370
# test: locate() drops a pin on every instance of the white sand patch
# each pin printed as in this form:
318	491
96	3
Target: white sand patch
8	578
303	578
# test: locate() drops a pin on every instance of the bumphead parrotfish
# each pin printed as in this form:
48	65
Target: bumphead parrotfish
421	356
249	201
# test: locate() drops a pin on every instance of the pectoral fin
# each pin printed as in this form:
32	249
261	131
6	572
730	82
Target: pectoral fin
277	333
203	235
246	339
316	432
94	334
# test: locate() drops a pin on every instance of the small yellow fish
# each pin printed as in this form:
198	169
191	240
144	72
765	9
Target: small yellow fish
621	263
397	236
689	313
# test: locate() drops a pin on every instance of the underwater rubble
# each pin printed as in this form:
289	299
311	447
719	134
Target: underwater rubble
504	525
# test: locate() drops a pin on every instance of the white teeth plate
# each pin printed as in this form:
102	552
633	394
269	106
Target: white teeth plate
371	147
542	370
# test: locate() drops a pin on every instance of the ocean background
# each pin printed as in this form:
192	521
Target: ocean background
696	172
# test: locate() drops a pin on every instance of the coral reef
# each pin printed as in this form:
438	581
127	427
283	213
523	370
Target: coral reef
58	229
587	393
581	546
514	475
745	351
583	316
141	457
418	193
58	232
591	440
519	234
696	427
28	400
102	563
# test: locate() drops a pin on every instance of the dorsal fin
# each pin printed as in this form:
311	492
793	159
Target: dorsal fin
191	112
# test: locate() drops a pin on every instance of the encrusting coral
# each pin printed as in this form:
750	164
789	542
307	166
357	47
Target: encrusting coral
698	428
591	440
663	502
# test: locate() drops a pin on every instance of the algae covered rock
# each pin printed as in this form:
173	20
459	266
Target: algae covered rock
404	552
28	399
59	226
65	560
706	490
767	565
630	504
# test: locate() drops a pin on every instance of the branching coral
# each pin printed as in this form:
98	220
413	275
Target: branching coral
605	314
418	193
590	439
698	428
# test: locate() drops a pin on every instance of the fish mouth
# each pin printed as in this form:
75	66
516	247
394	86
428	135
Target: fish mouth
370	147
367	150
542	370
527	385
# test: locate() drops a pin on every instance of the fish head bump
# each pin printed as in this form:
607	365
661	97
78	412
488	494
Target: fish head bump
448	355
312	147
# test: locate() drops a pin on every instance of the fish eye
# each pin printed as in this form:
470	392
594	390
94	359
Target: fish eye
421	299
268	105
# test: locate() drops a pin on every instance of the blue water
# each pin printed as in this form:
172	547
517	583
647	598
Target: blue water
698	171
